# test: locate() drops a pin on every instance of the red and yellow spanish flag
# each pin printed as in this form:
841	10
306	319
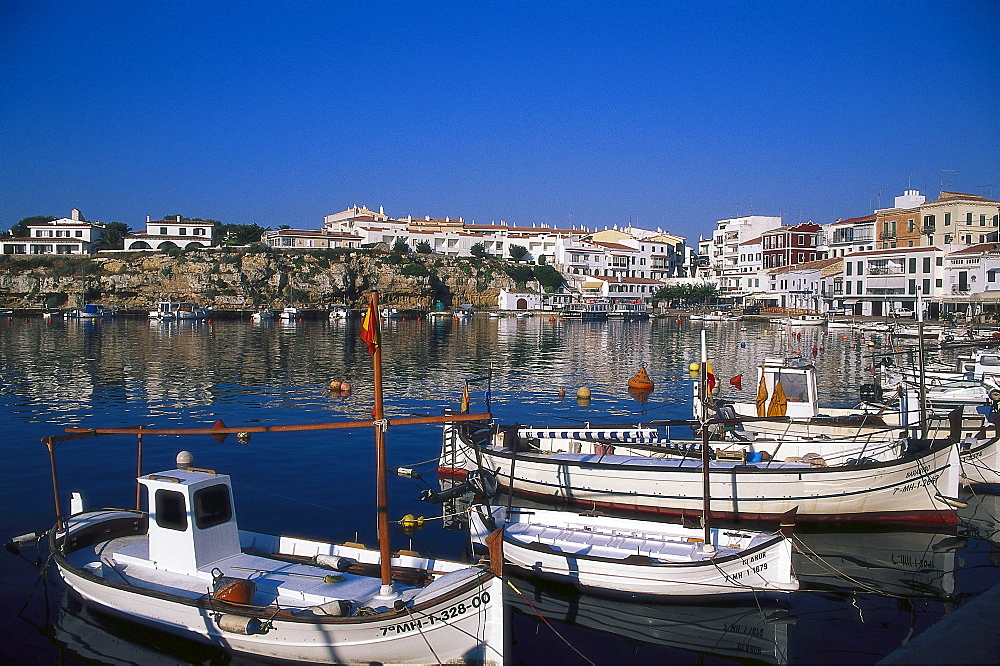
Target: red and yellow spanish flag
709	376
369	328
465	399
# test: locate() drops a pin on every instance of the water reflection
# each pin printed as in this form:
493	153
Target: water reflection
130	372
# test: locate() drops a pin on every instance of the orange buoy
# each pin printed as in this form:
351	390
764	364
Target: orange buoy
640	381
221	437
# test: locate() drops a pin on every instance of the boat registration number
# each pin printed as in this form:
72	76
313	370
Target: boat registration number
439	617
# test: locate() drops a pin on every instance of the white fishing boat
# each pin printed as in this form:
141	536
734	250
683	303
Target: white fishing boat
916	487
184	567
392	314
982	364
804	320
339	312
290	314
609	555
177	310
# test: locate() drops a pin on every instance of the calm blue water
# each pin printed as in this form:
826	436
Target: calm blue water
867	594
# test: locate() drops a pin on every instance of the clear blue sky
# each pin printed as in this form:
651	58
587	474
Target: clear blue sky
669	114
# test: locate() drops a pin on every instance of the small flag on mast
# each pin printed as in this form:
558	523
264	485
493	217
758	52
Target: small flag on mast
465	398
369	328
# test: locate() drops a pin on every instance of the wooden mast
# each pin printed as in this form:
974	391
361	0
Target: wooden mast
381	482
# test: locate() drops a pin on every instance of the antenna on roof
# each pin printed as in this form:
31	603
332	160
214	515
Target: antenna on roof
948	176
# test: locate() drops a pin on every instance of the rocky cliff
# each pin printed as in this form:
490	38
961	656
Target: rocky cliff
243	280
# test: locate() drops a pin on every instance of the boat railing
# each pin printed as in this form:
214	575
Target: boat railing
219	432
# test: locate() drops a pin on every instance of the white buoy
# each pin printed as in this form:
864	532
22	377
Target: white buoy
185	459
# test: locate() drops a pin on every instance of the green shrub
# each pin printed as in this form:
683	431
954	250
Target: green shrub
415	270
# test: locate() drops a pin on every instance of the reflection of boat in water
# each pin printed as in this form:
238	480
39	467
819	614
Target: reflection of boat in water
744	633
905	564
92	637
981	518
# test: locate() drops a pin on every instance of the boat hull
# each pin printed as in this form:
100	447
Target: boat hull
909	490
638	558
458	624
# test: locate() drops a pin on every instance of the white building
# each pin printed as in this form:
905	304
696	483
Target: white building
808	286
840	238
174	232
305	239
881	281
66	235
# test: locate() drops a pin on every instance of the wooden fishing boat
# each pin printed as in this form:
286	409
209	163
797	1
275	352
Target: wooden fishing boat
609	555
920	486
185	567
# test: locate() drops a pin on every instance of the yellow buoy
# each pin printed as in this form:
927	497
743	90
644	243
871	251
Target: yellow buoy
583	392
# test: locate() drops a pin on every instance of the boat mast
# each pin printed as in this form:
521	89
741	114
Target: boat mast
381	483
920	361
705	395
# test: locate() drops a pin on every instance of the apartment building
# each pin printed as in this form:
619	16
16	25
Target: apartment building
958	219
840	238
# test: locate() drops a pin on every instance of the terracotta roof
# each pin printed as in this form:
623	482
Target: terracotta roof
981	248
818	264
855	220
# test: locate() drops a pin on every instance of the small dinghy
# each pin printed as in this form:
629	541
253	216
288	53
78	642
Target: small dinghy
603	554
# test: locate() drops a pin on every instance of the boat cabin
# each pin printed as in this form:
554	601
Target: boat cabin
798	384
192	522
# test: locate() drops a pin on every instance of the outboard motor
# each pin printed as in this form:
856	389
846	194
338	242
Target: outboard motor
482	482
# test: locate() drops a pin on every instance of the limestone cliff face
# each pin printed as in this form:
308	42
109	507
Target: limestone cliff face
234	280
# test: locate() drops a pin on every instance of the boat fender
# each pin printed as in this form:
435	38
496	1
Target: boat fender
334	562
335	608
235	624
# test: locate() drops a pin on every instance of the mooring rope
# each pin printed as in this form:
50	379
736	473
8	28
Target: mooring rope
549	624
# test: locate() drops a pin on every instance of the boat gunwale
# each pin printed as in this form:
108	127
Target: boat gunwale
752	468
207	603
771	541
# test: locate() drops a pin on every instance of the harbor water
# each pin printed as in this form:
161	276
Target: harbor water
864	593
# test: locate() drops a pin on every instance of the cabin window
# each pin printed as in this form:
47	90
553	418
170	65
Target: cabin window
170	511
796	387
989	360
212	507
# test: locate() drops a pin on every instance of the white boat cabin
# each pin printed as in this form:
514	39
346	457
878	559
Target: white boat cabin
798	383
192	522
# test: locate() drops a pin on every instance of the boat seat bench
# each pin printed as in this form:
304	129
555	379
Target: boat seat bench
284	583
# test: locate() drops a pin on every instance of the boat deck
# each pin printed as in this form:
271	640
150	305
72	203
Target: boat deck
608	545
284	584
